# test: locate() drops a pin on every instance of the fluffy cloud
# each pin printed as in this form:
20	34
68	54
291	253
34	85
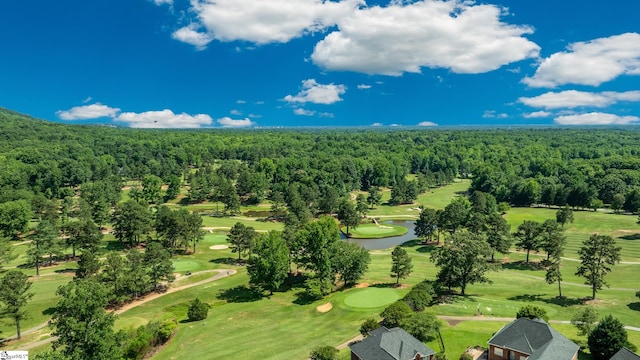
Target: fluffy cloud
398	38
590	63
317	93
163	119
376	124
86	112
573	98
596	118
492	114
273	21
303	112
537	115
427	123
190	35
229	122
162	2
364	87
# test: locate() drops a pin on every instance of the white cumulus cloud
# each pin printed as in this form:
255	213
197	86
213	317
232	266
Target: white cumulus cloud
590	63
303	112
317	93
492	114
191	35
229	122
596	118
86	112
162	2
427	123
364	87
537	115
574	98
163	119
376	124
398	38
273	21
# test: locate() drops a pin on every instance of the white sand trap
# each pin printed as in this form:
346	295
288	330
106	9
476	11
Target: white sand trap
218	247
385	227
324	308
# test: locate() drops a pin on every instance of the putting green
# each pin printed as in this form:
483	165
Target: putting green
373	231
184	265
369	298
214	239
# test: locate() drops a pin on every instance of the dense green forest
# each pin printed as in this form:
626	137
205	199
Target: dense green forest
552	166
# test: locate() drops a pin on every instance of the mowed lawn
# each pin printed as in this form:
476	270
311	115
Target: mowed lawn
623	228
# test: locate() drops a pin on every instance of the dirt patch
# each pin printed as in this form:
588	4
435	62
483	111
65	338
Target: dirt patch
362	285
324	307
218	247
453	323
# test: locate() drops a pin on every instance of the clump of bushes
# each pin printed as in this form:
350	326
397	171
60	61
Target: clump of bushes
145	338
197	310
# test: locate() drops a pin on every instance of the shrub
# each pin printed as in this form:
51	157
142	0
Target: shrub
197	310
532	312
368	326
324	353
419	297
395	313
422	326
466	356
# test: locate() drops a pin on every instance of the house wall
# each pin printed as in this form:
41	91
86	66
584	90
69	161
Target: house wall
505	354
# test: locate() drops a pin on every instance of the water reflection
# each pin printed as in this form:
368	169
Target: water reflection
385	243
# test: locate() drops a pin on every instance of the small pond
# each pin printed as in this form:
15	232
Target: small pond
385	243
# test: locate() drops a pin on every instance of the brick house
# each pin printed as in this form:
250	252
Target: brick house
526	339
390	344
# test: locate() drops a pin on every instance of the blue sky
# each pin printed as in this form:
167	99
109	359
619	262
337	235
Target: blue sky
242	63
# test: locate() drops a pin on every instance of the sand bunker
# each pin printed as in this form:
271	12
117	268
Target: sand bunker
324	308
218	247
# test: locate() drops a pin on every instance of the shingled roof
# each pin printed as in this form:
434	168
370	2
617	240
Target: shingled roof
625	354
536	339
390	344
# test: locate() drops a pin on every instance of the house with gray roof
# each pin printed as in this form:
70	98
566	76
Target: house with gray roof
526	339
625	354
390	344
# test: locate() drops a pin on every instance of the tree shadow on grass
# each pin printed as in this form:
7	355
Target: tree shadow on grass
303	298
634	306
240	294
65	271
564	301
630	237
293	281
225	261
521	265
384	285
48	311
422	247
527	297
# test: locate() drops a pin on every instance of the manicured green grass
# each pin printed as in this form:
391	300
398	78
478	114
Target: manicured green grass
184	265
228	222
623	228
436	198
372	297
374	231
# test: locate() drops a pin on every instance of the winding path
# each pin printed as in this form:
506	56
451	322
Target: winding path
221	273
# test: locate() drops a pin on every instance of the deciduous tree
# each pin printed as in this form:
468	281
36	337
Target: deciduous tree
401	265
528	236
585	321
607	338
348	215
462	260
240	238
14	295
84	330
268	263
349	261
597	255
427	224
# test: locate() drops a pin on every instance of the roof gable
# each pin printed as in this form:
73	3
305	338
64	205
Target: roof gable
390	344
625	354
536	339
